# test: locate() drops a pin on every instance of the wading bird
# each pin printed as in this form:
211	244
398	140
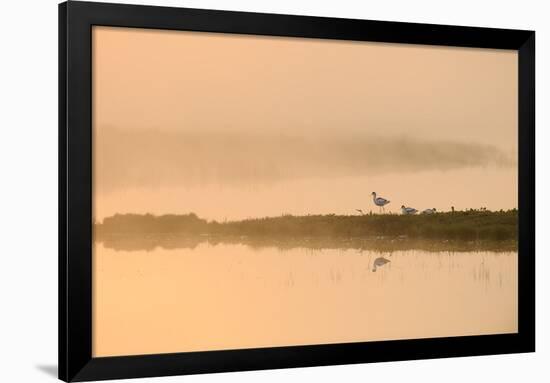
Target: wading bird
380	202
379	262
429	211
408	210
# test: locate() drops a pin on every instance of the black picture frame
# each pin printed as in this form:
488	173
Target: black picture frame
75	190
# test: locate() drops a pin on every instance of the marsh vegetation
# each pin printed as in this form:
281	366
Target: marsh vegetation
457	231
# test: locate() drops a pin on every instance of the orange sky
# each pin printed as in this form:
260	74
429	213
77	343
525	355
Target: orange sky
234	126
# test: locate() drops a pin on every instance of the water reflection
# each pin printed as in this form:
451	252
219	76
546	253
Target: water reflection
379	262
221	295
126	242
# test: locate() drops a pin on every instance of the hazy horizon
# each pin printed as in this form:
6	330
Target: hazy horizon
235	126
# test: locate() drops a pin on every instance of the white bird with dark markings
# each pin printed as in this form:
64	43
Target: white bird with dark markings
379	201
408	210
429	211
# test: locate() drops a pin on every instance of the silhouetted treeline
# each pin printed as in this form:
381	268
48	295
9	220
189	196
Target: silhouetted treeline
460	225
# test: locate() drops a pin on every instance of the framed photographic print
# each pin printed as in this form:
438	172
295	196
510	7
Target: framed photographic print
246	191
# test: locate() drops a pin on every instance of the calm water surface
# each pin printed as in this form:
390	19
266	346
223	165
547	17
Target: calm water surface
230	296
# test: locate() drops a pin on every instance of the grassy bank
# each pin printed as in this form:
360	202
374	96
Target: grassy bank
473	225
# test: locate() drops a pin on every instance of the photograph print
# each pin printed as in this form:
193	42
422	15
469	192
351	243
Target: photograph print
258	191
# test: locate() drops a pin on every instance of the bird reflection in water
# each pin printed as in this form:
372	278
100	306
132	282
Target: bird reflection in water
379	262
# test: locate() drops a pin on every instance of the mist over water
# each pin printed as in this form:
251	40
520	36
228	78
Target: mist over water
239	175
129	158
